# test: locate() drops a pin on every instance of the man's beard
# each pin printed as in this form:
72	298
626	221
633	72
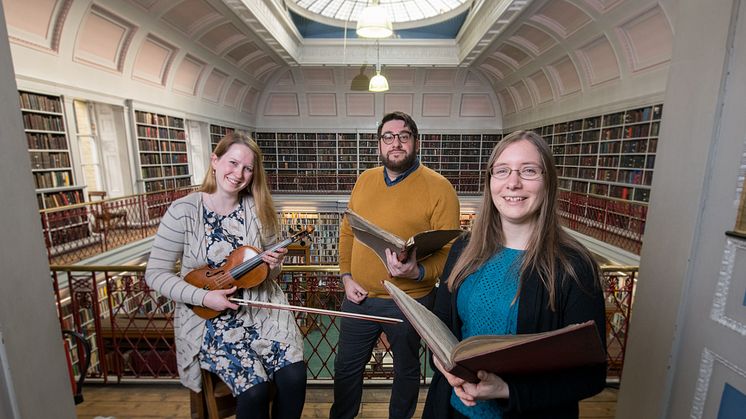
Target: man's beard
400	166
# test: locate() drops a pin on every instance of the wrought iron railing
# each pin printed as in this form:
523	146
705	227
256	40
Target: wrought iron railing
617	222
76	232
130	326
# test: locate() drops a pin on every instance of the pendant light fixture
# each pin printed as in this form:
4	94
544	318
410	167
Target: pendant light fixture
378	83
374	22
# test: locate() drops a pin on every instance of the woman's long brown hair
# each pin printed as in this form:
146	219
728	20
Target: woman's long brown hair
257	188
547	247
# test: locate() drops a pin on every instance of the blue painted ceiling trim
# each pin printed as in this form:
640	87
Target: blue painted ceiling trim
315	30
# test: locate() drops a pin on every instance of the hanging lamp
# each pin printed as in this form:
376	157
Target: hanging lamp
374	22
378	83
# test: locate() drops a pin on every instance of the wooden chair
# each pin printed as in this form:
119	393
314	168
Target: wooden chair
105	217
215	401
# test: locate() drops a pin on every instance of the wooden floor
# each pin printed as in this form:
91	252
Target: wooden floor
134	401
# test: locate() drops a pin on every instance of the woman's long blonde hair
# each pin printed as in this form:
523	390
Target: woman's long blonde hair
548	246
257	188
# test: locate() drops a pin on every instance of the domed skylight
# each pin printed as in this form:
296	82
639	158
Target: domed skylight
399	11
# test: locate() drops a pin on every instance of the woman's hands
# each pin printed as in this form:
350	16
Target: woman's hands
490	386
274	259
218	300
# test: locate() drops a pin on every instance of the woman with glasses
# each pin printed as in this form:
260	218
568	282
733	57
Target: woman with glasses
519	272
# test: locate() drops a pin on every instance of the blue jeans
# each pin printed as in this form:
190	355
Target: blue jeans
356	341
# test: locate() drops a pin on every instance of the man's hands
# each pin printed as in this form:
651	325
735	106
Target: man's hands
353	291
409	269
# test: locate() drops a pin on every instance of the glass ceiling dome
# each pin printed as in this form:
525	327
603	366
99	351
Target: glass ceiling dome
403	13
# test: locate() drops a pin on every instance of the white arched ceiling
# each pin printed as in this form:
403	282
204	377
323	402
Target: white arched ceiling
196	49
323	98
564	55
517	60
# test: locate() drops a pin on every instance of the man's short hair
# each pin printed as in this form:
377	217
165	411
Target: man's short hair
399	116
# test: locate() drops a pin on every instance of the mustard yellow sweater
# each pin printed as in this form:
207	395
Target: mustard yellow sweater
424	200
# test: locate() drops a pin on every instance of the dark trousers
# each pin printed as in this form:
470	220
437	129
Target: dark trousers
356	341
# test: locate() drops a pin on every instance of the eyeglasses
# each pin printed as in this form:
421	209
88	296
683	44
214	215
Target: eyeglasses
525	172
404	137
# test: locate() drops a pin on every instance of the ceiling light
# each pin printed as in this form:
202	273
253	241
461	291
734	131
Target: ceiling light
378	83
374	22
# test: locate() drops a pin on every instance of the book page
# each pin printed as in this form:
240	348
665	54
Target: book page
436	335
429	242
372	236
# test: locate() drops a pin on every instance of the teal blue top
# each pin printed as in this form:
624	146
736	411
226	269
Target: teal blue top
486	306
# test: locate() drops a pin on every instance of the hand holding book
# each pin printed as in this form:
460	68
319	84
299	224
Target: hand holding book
378	239
569	347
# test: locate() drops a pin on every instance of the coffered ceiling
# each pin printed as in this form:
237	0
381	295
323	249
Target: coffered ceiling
529	54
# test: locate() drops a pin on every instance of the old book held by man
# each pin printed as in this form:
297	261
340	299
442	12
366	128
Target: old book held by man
378	239
571	346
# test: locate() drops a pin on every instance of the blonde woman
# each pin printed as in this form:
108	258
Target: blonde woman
246	347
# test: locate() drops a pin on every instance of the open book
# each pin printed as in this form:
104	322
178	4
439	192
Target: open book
572	346
378	239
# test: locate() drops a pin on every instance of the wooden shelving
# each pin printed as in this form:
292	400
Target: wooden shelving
610	159
323	241
331	162
163	156
217	132
52	169
607	155
49	150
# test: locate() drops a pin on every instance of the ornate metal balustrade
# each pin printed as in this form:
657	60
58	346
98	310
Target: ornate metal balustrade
130	326
76	232
613	221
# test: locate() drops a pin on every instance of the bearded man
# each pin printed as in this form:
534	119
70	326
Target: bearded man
403	197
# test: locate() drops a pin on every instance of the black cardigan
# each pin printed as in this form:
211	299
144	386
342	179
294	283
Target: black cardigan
552	395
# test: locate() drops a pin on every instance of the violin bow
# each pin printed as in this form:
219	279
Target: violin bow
262	304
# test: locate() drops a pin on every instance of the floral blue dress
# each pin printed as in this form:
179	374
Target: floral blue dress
237	353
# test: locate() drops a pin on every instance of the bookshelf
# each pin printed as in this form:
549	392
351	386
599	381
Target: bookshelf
330	162
52	168
49	150
610	158
162	155
217	132
610	155
323	241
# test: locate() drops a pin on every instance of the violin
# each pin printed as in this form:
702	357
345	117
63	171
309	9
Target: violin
244	268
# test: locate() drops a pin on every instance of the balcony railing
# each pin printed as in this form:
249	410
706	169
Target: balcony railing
130	326
76	232
616	222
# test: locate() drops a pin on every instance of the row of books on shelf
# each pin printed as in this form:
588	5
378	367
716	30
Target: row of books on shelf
156	119
46	141
52	179
162	145
43	122
164	171
61	198
38	102
647	113
154	132
164	184
613	191
49	160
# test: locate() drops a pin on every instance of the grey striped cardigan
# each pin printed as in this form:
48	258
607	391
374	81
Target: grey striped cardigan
181	235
